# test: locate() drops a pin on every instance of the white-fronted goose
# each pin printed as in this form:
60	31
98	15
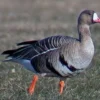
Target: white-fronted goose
58	56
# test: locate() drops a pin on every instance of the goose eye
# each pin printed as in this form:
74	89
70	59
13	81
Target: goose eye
89	13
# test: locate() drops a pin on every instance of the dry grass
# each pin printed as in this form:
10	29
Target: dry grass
35	19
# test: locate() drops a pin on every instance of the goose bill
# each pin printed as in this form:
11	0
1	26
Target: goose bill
96	18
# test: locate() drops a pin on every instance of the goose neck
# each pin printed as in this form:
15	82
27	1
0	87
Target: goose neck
84	31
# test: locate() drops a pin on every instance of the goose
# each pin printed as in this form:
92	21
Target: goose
57	56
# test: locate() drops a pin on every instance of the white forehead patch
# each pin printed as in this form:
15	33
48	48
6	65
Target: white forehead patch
95	16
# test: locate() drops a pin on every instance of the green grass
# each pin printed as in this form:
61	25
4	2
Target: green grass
82	87
22	20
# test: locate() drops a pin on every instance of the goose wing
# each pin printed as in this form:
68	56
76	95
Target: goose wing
30	49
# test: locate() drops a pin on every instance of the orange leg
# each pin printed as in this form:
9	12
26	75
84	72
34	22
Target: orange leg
32	85
61	84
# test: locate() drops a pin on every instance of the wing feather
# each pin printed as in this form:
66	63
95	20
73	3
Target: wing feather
30	49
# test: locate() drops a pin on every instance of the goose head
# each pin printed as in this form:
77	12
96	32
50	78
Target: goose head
88	17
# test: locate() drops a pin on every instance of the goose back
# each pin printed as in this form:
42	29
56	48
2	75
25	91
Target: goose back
31	49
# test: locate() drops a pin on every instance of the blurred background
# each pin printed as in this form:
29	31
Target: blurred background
22	20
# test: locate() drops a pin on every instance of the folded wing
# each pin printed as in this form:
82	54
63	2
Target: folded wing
30	49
